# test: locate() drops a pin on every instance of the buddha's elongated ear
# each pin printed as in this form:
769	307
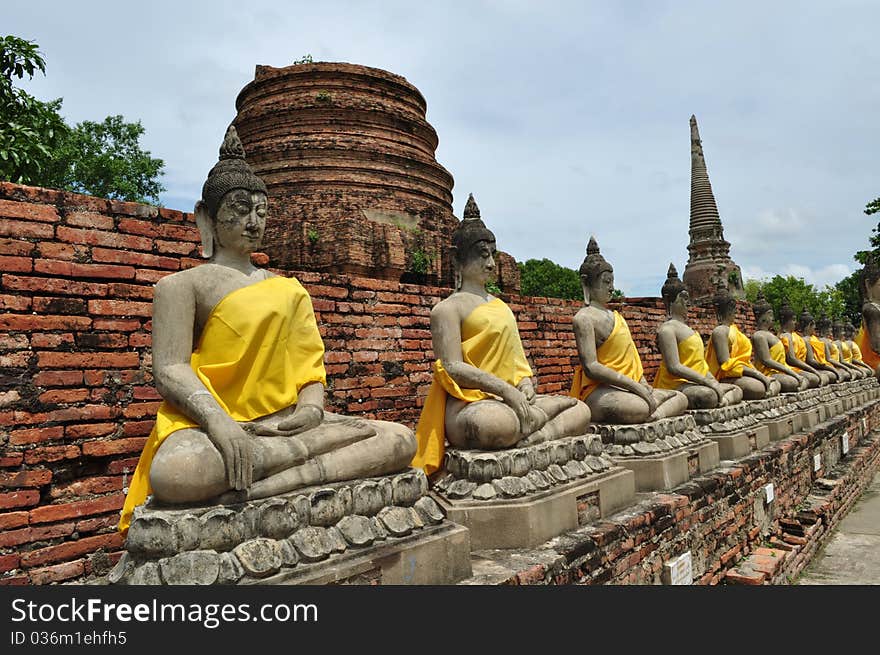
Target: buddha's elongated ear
206	229
586	289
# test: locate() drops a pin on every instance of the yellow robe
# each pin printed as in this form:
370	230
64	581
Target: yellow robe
690	354
818	349
863	343
618	352
259	347
787	345
835	355
740	348
846	351
800	347
490	342
856	352
777	354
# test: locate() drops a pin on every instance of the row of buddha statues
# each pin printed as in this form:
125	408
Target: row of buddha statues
238	360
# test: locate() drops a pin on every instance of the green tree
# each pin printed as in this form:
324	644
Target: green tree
106	160
831	301
550	280
30	130
37	147
862	255
848	288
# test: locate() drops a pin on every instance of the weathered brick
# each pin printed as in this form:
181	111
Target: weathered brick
35	435
53	285
14	303
102	505
9	562
29	322
120	308
28	211
31	534
27	498
16	247
87	360
33	478
57	572
113	447
51	454
102	238
58	378
87	486
10	520
90	219
89	430
16	264
70	550
9	460
76	270
139	259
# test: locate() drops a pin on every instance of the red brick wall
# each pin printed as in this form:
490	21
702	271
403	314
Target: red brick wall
76	394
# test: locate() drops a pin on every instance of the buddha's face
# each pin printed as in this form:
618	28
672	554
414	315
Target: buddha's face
681	303
241	220
602	288
479	265
810	328
849	332
766	318
873	289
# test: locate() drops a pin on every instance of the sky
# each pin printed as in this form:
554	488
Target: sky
564	119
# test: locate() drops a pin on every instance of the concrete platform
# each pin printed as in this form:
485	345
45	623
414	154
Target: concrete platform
435	556
532	520
658	472
781	428
731	446
703	458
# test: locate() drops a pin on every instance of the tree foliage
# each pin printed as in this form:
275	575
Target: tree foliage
542	277
105	159
37	147
831	301
30	130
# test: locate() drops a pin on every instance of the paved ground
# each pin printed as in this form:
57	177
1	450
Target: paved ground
852	555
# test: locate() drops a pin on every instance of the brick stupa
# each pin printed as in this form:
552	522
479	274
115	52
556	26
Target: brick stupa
347	156
709	264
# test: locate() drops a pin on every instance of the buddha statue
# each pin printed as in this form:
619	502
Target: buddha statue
796	347
482	395
849	333
610	378
729	353
238	359
815	351
768	350
868	338
833	353
684	366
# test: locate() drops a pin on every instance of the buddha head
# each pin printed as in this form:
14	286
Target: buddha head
232	210
869	280
823	326
763	311
849	330
597	275
473	247
806	323
725	304
787	317
674	293
837	329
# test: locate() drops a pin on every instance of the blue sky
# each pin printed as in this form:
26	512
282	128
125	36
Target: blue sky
564	119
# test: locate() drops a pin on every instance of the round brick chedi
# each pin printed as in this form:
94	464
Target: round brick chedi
348	158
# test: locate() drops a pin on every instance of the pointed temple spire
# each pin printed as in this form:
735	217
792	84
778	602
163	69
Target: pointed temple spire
709	265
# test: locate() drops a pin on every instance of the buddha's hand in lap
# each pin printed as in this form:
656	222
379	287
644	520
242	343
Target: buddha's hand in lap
648	396
305	417
527	389
236	448
530	418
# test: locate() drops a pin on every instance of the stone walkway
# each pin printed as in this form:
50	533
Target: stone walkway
852	554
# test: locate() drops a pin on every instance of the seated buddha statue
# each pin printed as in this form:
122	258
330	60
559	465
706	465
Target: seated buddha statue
834	350
768	352
482	395
238	359
729	353
610	378
849	333
868	338
683	366
796	347
816	354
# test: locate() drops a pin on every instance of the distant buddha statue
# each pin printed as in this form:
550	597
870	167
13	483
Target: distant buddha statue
838	330
610	378
768	353
815	352
833	353
849	332
796	347
729	353
238	359
868	338
684	366
482	395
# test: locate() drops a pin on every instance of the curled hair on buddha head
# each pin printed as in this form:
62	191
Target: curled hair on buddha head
594	263
230	172
672	287
469	232
723	301
869	275
805	319
761	306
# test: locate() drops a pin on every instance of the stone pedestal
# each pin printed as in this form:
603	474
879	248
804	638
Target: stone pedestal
732	446
658	473
375	530
521	497
703	457
781	428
